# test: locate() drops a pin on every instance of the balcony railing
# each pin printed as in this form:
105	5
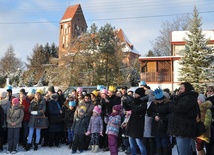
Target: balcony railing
156	76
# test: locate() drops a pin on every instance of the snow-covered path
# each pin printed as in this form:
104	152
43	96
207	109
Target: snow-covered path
63	150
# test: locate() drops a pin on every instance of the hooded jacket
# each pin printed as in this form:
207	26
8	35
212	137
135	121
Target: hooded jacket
15	115
206	117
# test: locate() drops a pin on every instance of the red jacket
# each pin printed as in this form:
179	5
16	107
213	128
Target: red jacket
26	105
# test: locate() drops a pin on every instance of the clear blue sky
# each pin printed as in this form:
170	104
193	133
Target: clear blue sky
141	20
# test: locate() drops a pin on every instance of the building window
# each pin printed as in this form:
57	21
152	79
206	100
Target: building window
151	67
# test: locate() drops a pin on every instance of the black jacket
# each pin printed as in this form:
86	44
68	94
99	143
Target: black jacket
159	128
182	119
135	126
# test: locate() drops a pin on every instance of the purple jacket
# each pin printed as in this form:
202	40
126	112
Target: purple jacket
95	124
113	125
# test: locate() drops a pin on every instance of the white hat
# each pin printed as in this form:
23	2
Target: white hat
201	97
3	94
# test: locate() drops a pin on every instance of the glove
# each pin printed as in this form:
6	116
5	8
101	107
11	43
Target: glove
87	133
101	134
34	112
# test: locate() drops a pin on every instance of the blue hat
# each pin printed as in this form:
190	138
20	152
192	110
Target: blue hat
9	88
72	103
143	83
32	92
100	87
158	93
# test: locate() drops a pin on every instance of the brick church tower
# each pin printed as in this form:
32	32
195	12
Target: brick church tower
72	25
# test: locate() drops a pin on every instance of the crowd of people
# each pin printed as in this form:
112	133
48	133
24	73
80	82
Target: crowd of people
146	122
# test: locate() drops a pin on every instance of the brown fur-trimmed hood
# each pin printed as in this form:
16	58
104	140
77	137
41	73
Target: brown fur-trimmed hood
205	105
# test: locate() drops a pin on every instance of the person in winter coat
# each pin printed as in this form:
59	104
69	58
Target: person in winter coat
95	128
107	106
182	119
135	126
5	104
210	97
2	118
159	111
206	117
25	121
55	121
68	109
148	139
14	122
37	108
79	127
112	129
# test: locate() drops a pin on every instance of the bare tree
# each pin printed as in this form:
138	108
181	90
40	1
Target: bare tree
9	63
161	45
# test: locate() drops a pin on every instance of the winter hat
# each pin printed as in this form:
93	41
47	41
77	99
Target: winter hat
3	94
117	107
97	109
104	91
32	92
140	91
95	93
22	91
158	93
54	96
72	103
201	97
9	89
166	94
51	89
142	83
39	91
79	89
82	109
15	101
100	87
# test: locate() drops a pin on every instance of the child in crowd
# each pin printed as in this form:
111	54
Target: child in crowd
14	122
79	126
95	128
112	129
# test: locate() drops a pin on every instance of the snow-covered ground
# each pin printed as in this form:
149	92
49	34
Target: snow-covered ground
63	150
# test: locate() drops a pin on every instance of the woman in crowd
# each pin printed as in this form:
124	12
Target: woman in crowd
37	108
210	97
135	126
182	119
159	111
14	122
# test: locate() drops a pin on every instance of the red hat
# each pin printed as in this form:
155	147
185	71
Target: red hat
15	101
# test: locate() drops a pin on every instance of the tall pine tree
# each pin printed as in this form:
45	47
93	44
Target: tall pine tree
196	63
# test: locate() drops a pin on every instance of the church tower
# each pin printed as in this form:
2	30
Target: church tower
72	25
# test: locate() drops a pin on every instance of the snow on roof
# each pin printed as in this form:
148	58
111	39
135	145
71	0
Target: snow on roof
178	36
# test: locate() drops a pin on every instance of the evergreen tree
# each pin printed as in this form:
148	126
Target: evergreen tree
196	63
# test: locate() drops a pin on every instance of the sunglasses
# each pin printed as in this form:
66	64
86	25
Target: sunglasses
209	91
